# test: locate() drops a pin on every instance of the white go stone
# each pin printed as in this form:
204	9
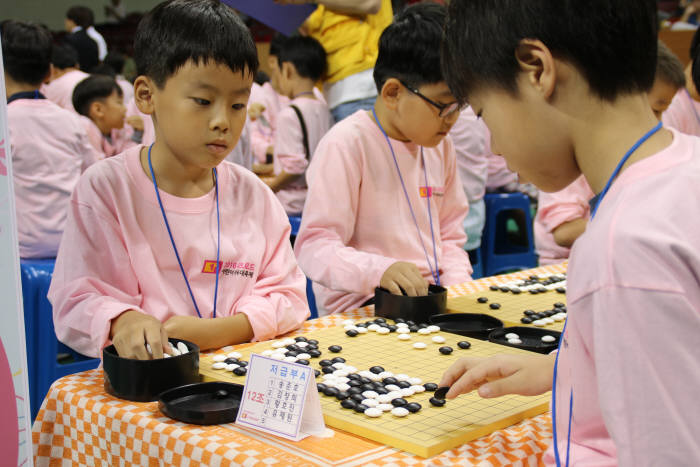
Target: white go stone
434	328
341	379
385	407
438	339
301	345
329	376
366	373
290	359
362	330
394	395
548	320
385	374
342	372
231	367
548	338
419	345
373	412
383	330
174	351
232	354
559	317
515	341
423	331
539	323
228	348
370	402
402	377
166	355
219	358
218	366
342	386
415	381
418	388
338	365
404	337
350	328
375	377
383	398
350	369
373	327
288	341
303	356
399	412
277	344
268	352
348	322
148	349
512	335
370	395
407	392
392	387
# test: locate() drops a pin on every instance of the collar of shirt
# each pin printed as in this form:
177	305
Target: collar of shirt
25	95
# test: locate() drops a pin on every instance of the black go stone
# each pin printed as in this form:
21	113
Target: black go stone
365	380
351	332
325	363
335	348
342	395
353	383
312	342
294	348
542	290
321	387
390	380
376	369
441	392
526	320
515	290
381	390
437	402
314	353
413	328
301	339
422	325
360	408
410	323
399	402
446	350
338	360
353	376
494	288
537	316
399	320
291	353
430	387
559	305
317	373
528	312
561	290
361	325
230	361
327	369
463	344
357	397
355	390
240	371
534	278
380	320
368	387
413	407
331	391
534	291
348	404
303	362
403	384
495	306
242	363
393	328
482	299
504	289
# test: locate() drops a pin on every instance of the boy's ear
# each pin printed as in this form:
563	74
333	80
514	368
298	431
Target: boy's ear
288	70
97	109
144	88
535	60
391	92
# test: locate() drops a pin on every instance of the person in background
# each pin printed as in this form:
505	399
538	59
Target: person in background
49	146
684	112
65	75
302	123
94	35
76	23
116	60
349	31
670	79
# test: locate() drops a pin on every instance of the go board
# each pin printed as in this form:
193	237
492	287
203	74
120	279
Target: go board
428	432
513	305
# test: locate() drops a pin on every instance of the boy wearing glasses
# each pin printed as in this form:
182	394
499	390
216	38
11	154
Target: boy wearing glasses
385	204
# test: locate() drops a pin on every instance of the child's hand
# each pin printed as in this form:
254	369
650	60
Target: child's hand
527	375
132	330
255	110
406	276
136	122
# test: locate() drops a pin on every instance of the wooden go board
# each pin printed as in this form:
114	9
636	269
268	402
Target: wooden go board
433	429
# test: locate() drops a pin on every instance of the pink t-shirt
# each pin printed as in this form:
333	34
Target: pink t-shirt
116	255
262	130
60	90
555	209
290	154
50	150
470	137
683	114
120	139
631	351
357	222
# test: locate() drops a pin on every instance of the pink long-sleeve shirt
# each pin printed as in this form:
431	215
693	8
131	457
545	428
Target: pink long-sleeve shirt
471	141
555	209
262	131
290	154
120	139
683	114
631	351
357	222
50	150
116	255
60	90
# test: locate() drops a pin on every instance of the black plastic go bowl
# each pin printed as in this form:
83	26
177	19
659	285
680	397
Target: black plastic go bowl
416	309
202	403
143	380
474	325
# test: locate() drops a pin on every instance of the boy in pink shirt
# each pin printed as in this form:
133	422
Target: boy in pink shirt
684	112
385	204
65	75
300	125
170	240
670	78
99	99
48	144
623	376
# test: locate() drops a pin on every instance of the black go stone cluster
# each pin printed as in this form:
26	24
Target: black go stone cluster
242	364
412	326
352	398
532	280
531	315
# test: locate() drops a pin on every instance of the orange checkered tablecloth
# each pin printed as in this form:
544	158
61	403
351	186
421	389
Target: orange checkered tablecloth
80	424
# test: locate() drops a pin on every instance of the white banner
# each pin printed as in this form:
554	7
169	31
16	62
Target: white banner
15	422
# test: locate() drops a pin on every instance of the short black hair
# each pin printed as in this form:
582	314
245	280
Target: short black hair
115	60
177	31
409	49
64	56
611	42
81	16
695	57
669	68
103	69
91	89
276	44
26	51
306	54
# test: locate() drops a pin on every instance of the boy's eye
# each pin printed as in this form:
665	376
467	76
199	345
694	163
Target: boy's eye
239	106
199	101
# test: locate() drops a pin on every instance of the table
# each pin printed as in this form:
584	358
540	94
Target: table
79	423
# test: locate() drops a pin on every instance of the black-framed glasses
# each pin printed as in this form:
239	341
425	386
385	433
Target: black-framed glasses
446	110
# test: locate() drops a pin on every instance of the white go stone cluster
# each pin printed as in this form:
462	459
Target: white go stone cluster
526	288
561	316
378	403
179	349
220	364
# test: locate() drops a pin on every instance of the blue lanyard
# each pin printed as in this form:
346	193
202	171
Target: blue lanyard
172	240
600	197
434	272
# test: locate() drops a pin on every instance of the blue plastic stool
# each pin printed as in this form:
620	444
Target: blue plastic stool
498	252
295	222
312	299
43	347
477	263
